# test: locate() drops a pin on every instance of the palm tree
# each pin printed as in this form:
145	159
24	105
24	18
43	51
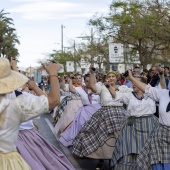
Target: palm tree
8	37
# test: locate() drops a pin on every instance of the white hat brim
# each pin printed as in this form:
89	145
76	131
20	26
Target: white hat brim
12	82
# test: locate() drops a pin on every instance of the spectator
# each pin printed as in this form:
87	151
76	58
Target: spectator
146	75
136	71
166	72
154	77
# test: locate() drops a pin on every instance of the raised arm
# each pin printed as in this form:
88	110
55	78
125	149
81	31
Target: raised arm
62	84
32	85
92	82
136	82
13	63
111	90
71	88
162	78
54	93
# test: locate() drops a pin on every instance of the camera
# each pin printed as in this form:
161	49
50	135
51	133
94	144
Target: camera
72	77
160	72
107	85
126	73
158	67
93	69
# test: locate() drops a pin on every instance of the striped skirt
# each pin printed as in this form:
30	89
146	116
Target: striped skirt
106	121
156	152
131	140
60	109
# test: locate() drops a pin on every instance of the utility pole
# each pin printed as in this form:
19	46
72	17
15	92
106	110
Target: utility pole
92	57
74	52
62	26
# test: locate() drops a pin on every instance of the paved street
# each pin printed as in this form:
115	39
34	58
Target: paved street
46	130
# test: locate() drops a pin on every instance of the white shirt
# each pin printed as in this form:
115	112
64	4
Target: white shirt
84	96
20	109
161	96
75	96
28	124
137	107
106	98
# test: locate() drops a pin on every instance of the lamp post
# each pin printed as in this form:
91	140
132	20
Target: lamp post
74	51
62	26
91	43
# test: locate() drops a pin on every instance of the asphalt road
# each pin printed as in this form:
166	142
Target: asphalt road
46	130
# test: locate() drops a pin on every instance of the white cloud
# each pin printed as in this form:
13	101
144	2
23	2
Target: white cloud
27	0
55	10
38	23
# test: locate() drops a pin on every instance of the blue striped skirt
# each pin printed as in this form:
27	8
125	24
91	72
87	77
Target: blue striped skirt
132	139
161	167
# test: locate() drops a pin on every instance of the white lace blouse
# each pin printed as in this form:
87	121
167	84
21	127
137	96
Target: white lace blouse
161	96
20	109
137	107
84	96
106	98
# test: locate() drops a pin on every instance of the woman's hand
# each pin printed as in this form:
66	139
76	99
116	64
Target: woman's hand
31	84
13	63
52	68
130	74
107	84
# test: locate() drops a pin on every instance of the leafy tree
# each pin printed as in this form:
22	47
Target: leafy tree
143	25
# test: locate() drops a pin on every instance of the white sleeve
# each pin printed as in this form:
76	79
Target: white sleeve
153	92
124	88
123	97
78	90
31	106
99	88
67	87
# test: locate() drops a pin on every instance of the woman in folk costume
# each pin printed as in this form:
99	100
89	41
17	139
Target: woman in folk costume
68	107
15	111
90	106
137	128
66	97
155	154
37	151
96	139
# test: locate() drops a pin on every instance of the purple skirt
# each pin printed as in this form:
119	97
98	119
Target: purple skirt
39	153
82	116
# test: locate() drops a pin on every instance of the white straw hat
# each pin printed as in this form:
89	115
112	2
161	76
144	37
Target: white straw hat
9	80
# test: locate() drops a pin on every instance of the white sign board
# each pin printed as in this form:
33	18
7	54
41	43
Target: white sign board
84	64
70	66
61	69
116	54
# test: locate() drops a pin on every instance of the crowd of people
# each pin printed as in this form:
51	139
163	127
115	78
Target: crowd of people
123	118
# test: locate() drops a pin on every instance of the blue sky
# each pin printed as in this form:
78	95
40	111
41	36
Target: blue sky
38	24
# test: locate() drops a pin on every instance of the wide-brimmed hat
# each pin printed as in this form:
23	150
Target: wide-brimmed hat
9	80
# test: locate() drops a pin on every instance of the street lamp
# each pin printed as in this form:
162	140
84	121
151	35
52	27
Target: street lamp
74	51
62	26
91	42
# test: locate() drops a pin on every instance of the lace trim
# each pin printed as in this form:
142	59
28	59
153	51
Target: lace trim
43	109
